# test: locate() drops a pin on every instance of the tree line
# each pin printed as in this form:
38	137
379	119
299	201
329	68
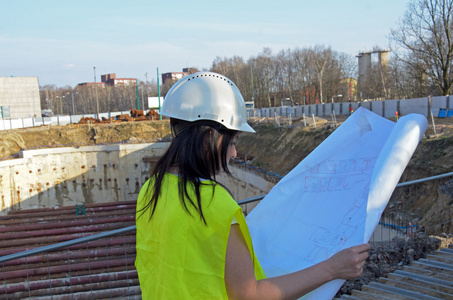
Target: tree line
420	64
88	99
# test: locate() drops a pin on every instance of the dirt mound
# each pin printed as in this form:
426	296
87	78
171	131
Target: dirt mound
13	141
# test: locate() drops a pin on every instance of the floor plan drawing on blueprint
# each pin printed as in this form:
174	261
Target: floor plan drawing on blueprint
333	199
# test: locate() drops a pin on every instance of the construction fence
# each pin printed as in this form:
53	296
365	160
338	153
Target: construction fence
437	106
385	108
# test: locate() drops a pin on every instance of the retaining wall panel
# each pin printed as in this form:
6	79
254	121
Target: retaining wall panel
345	108
391	106
366	104
418	106
355	105
27	122
312	110
16	123
75	118
336	107
319	110
298	111
377	107
437	103
328	108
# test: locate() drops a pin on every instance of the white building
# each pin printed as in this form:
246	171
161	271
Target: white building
19	97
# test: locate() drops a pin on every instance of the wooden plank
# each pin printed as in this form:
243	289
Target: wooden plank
434	273
368	296
426	279
383	294
413	287
398	293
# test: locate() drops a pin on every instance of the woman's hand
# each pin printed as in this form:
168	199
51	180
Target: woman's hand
349	262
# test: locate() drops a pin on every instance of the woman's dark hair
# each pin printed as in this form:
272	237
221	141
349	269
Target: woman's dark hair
196	154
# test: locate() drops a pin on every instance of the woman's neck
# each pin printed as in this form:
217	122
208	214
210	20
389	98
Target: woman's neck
173	170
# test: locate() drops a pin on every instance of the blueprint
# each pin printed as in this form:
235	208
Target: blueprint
334	198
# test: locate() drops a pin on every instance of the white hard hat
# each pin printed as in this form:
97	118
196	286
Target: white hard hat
207	96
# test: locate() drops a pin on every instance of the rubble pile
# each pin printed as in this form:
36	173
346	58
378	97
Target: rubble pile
387	257
135	115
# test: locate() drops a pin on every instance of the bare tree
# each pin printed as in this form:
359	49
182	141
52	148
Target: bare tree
237	70
305	78
327	70
425	33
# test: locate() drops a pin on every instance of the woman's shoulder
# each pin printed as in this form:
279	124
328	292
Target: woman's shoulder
220	195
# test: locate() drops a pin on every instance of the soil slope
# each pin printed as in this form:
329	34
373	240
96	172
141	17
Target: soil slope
280	149
13	141
277	149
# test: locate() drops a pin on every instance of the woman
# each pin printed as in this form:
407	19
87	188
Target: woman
192	238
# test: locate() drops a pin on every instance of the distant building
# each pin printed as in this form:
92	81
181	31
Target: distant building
365	69
111	80
175	76
19	97
100	84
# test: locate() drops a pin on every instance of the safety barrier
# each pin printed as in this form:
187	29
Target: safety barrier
11	123
385	108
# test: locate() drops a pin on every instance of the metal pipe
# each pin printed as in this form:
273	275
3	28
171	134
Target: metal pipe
66	244
424	179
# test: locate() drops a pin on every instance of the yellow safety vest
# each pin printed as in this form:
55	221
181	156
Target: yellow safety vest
178	256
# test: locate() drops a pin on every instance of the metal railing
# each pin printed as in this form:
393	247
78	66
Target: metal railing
101	265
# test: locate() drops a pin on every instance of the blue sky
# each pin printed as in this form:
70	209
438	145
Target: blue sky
61	41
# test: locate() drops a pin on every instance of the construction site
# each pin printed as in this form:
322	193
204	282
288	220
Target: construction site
63	183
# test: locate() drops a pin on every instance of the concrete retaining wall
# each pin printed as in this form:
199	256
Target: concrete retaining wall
245	184
96	174
69	176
